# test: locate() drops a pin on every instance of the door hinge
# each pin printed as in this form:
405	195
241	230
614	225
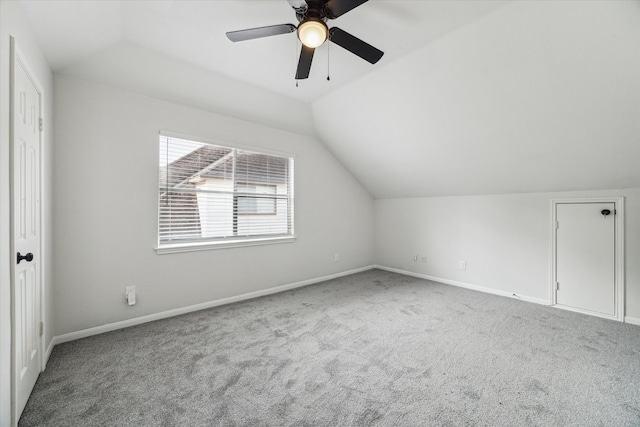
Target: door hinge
41	125
41	328
557	225
557	286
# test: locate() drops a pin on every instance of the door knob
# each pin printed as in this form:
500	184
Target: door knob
28	257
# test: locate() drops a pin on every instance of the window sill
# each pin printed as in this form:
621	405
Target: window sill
205	246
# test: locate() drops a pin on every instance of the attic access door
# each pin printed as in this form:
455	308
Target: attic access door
587	257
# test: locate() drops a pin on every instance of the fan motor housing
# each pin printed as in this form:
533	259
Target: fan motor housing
316	9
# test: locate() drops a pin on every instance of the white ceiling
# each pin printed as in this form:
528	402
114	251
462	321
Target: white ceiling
194	32
471	97
536	97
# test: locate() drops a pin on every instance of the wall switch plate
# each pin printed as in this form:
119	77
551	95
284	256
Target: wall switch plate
336	257
130	294
415	257
463	265
424	258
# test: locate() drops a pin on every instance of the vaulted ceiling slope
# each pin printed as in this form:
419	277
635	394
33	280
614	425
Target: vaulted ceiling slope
471	97
177	49
131	67
193	31
538	96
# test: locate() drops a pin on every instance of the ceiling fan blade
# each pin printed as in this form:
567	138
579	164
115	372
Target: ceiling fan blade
304	64
298	5
256	33
355	45
340	7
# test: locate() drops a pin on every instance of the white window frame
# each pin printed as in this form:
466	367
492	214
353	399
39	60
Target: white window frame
168	248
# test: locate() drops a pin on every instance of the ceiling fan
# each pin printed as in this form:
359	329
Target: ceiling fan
313	31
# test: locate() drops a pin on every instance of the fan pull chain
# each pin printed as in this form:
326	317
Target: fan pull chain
295	58
328	44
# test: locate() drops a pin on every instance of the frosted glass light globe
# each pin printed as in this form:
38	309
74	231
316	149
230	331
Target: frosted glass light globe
312	33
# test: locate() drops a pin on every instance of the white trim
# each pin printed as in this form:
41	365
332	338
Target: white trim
552	251
465	285
205	246
47	354
618	254
632	320
583	311
197	307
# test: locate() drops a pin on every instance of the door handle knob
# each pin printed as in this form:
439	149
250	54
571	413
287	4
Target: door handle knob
28	257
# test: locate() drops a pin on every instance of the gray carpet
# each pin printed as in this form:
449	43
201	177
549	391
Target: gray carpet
375	348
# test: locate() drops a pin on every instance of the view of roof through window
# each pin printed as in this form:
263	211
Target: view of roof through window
211	192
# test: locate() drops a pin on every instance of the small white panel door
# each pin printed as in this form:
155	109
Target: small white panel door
26	236
585	264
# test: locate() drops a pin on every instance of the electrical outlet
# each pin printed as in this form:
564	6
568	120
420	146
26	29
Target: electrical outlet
130	295
415	258
336	257
462	265
424	258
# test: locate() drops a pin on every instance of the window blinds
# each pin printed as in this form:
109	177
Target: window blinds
212	193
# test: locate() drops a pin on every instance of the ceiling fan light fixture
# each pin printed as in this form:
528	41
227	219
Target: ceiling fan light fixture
312	33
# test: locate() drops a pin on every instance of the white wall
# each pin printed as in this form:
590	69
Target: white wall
156	75
504	239
537	96
106	210
12	22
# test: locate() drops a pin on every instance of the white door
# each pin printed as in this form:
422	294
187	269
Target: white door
585	251
26	235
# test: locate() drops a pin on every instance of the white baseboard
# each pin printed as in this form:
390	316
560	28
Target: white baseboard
465	285
59	339
632	320
47	354
589	313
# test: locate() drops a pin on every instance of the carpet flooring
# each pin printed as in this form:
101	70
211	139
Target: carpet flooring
374	348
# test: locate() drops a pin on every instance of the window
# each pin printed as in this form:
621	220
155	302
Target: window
257	205
212	195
